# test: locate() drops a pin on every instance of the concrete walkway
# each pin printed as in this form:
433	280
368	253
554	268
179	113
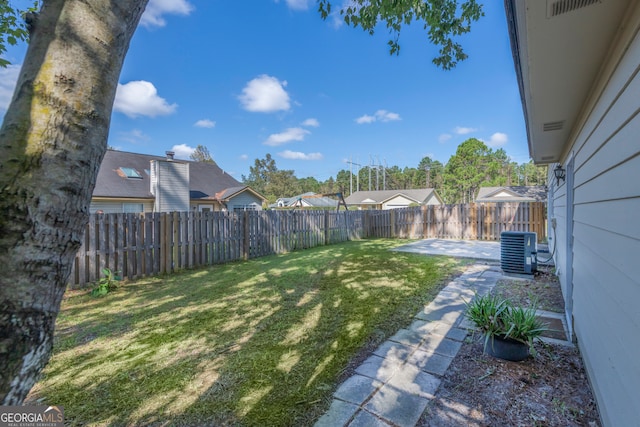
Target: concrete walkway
395	384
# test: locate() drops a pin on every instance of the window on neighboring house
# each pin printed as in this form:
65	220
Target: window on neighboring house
245	208
130	172
132	207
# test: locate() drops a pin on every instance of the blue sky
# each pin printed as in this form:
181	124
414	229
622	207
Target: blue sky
275	78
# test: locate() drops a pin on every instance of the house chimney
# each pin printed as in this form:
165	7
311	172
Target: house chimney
170	154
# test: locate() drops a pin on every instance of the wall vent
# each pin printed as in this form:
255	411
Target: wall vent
543	158
560	7
549	126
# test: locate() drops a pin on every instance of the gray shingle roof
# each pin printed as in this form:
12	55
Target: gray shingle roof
533	193
205	179
310	198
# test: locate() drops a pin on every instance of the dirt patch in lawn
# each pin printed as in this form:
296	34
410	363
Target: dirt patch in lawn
550	389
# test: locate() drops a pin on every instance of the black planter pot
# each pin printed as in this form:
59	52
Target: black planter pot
507	349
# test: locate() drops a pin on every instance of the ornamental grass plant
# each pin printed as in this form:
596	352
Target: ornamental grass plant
495	316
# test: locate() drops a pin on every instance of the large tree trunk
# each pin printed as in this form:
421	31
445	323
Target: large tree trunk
51	144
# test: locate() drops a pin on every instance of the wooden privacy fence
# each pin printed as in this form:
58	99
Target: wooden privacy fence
475	221
139	245
146	244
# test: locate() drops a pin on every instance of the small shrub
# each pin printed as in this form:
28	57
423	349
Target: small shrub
106	284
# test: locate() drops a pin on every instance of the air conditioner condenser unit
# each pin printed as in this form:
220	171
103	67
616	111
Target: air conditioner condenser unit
518	252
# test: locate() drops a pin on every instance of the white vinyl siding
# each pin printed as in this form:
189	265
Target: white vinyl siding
432	200
253	207
170	186
397	202
108	206
606	245
205	208
132	207
242	200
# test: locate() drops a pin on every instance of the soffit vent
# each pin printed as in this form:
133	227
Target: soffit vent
549	126
560	7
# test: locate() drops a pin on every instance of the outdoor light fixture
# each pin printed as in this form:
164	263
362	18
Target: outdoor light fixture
559	172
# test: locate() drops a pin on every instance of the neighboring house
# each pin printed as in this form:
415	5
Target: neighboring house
393	199
531	193
306	200
131	182
577	64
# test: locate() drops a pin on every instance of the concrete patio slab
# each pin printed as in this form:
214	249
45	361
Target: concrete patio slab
394	350
408	337
400	408
441	345
430	362
365	419
449	331
357	389
338	414
457	248
379	368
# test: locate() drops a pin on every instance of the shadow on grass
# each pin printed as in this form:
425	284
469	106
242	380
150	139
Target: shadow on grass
254	343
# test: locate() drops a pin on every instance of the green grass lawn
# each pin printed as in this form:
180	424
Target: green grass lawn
257	343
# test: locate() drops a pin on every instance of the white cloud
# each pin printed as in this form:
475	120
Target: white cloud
289	135
152	16
498	139
296	155
134	136
244	157
444	138
379	116
183	151
265	94
365	119
140	98
311	123
387	116
463	131
298	4
205	123
8	80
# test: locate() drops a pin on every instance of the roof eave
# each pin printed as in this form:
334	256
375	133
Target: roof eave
512	25
557	58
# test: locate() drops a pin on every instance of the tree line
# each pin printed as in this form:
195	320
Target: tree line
474	165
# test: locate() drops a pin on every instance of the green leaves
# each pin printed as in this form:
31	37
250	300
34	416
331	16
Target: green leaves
443	20
201	154
106	284
12	27
497	316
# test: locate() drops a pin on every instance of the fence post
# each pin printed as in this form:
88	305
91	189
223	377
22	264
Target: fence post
175	216
326	227
92	248
246	234
481	221
162	243
392	223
